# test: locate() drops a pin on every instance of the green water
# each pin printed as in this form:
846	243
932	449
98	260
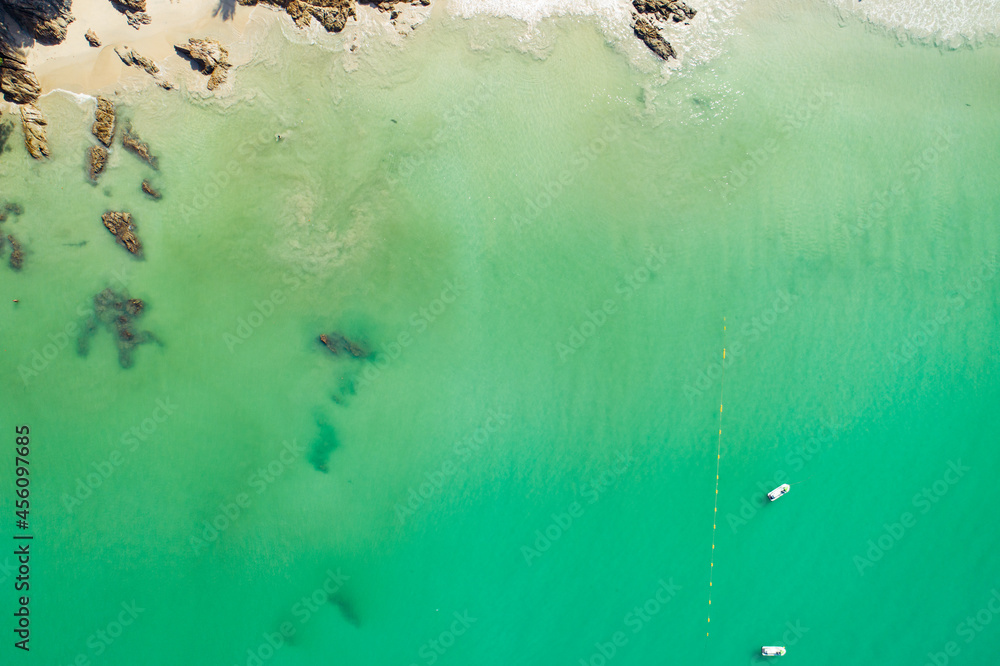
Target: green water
823	191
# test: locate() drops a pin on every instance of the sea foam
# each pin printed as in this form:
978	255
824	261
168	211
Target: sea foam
698	41
948	22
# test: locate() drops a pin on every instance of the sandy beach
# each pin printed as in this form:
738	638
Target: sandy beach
75	66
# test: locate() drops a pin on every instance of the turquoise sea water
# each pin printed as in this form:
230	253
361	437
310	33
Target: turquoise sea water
544	246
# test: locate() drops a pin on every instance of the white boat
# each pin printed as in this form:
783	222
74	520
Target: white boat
773	650
778	492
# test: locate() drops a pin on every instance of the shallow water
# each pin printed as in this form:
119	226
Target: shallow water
543	244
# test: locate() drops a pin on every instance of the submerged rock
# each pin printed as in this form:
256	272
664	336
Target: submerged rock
322	446
134	144
13	208
33	122
120	224
148	188
104	123
92	38
348	610
212	56
97	158
86	332
337	343
134	307
117	312
16	253
648	33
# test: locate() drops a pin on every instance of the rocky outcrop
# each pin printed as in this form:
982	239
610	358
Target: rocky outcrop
137	19
118	313
13	208
19	84
22	22
92	38
652	11
120	224
332	14
667	10
134	59
44	20
148	188
104	123
129	5
338	344
16	253
97	158
134	144
648	33
33	123
212	56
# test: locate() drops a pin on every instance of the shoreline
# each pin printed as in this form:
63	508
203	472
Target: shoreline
76	67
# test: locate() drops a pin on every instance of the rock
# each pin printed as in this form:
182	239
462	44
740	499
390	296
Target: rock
299	11
134	306
648	33
22	22
346	607
332	14
6	131
134	144
148	188
674	10
120	224
133	59
104	125
337	343
16	253
333	19
212	56
13	208
129	5
321	447
45	20
118	313
97	158
92	38
19	85
33	123
136	19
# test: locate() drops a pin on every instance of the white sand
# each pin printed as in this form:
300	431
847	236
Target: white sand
75	66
